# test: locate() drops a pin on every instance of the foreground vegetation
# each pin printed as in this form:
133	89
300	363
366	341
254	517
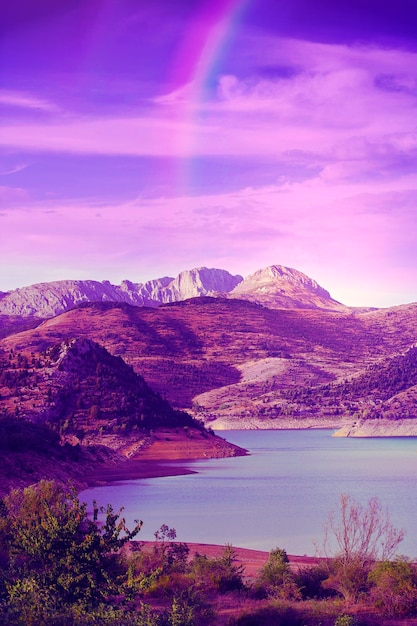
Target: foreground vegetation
60	566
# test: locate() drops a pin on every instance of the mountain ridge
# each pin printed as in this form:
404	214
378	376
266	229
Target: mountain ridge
276	286
45	300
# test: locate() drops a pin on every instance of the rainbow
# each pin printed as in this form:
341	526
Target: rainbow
197	65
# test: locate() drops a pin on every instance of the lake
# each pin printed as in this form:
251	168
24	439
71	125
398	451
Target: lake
280	495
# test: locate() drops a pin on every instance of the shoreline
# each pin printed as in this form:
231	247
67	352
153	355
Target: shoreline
136	470
368	428
167	453
383	427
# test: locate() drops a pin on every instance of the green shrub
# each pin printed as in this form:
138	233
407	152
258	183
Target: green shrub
350	578
276	578
52	543
271	615
219	574
394	590
310	580
346	620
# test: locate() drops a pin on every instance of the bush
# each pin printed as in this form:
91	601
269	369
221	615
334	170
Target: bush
276	579
270	615
310	581
346	620
395	587
220	574
54	549
349	579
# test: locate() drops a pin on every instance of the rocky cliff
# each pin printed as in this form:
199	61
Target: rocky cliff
45	300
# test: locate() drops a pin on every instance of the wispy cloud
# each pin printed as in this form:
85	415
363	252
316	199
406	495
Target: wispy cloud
12	194
22	100
14	169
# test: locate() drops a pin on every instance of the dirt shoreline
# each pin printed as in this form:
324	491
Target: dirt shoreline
169	452
135	470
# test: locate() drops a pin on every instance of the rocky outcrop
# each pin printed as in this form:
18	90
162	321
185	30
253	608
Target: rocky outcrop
379	428
199	282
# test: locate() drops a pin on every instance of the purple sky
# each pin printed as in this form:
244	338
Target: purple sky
140	138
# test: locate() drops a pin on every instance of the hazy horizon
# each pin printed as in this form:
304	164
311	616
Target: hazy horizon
139	140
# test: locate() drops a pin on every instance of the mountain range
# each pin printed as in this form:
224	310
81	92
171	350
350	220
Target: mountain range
275	286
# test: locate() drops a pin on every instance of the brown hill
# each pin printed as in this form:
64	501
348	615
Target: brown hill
235	361
76	385
76	392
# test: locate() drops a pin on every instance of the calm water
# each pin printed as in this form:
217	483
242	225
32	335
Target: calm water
280	495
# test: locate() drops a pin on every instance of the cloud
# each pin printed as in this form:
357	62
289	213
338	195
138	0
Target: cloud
14	169
26	101
334	109
337	136
12	195
336	87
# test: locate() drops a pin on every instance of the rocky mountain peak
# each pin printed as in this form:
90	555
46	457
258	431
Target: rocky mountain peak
278	286
280	273
46	300
201	281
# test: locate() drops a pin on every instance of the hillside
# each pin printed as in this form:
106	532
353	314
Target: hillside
30	452
11	324
238	364
77	387
385	390
74	393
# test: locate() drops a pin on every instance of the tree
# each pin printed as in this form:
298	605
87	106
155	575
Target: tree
355	537
276	578
172	555
48	536
219	574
